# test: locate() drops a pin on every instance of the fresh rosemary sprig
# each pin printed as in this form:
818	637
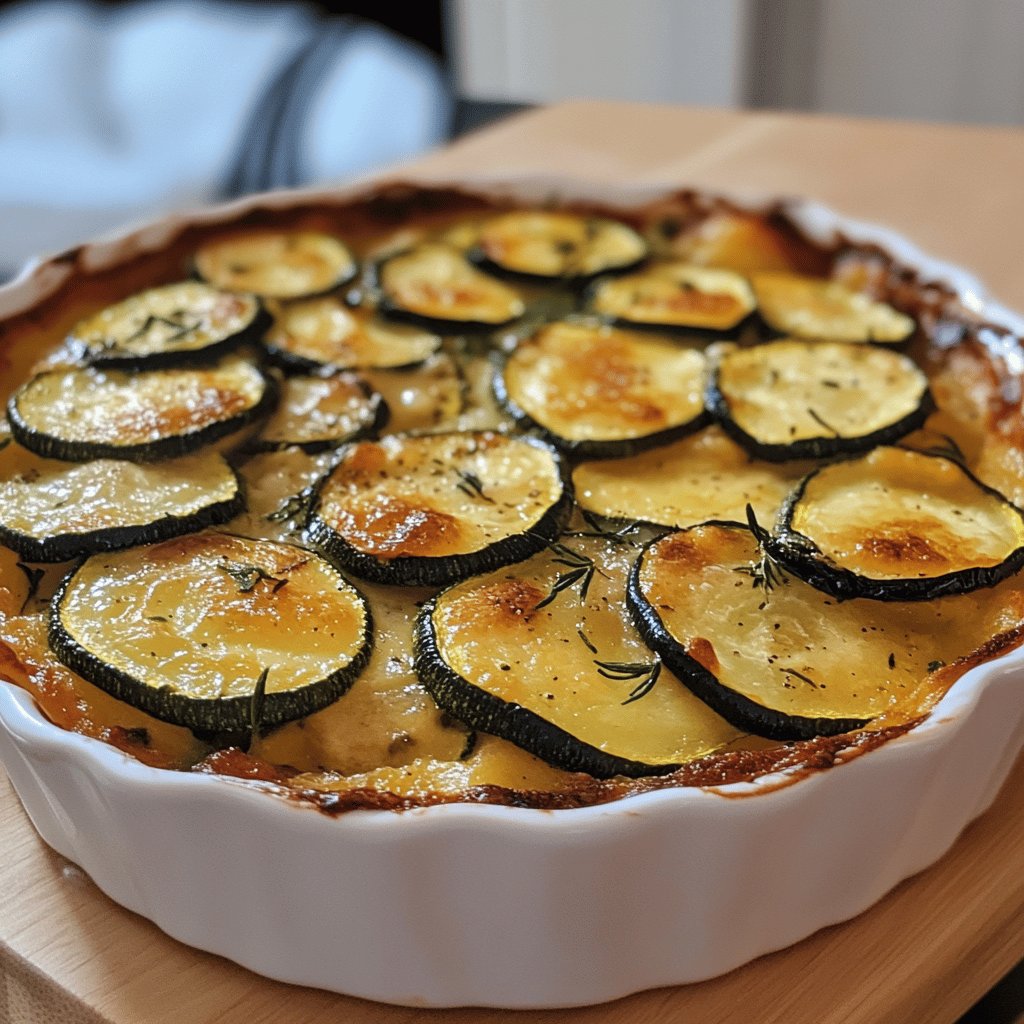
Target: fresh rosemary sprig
765	572
619	536
587	642
471	484
247	576
646	672
292	507
580	569
151	321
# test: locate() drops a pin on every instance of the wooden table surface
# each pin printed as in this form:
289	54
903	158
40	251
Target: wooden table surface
924	953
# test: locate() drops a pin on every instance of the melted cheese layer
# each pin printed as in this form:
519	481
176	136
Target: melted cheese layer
791	648
204	615
184	317
600	384
438	495
123	409
808	307
43	498
898	514
494	632
277	264
436	281
703	476
326	332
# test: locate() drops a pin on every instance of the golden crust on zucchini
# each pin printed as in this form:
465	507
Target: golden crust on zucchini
599	391
807	307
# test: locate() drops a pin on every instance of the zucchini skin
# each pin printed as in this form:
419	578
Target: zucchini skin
811	447
424	571
801	556
590	448
222	715
50	446
526	729
64	547
252	334
741	711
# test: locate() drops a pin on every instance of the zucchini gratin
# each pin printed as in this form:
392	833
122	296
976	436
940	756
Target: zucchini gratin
425	497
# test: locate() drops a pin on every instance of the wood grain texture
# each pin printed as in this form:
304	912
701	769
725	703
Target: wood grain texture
927	950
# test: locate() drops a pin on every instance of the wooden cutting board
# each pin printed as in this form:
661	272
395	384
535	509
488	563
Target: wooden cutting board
930	948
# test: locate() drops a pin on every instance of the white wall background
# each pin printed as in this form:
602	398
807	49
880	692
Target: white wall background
540	51
954	60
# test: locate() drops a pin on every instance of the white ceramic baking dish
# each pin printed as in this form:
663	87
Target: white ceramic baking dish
487	905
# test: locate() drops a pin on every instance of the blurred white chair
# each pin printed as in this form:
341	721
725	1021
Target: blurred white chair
108	115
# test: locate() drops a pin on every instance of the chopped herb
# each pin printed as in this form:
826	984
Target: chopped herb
586	641
292	507
175	321
934	666
646	672
799	675
892	659
471	484
33	575
828	426
259	694
157	618
247	576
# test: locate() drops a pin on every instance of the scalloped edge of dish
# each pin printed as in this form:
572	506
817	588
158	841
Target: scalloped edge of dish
465	904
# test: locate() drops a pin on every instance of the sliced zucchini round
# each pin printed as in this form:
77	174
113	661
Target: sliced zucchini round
796	399
548	245
325	333
599	392
822	310
169	325
428	510
701	477
742	241
82	414
276	264
53	511
678	296
434	284
427	398
559	670
186	630
769	652
898	525
316	413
